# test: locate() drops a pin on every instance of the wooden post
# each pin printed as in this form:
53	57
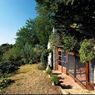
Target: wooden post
56	58
67	62
88	84
87	74
74	65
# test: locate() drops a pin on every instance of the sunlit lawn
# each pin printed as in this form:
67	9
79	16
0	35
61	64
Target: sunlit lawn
30	80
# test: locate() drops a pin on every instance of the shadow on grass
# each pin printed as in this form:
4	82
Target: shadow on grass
5	83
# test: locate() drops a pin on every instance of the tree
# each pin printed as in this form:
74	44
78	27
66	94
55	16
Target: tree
87	50
43	28
70	12
4	48
69	43
26	34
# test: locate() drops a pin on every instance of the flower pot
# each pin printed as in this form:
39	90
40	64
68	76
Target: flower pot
53	84
49	76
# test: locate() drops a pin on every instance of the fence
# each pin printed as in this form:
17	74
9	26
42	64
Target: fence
82	73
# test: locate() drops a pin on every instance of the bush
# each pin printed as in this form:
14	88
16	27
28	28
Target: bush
55	79
5	82
44	56
30	54
8	67
12	54
48	70
87	51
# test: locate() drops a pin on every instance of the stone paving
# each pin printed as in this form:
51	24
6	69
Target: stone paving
76	88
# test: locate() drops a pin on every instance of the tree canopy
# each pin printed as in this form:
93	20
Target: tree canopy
26	34
70	12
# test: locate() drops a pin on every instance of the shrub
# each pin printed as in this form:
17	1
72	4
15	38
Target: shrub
87	51
12	54
4	82
44	56
8	67
30	54
48	70
54	79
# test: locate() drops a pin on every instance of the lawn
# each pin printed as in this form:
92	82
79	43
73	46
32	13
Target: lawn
29	80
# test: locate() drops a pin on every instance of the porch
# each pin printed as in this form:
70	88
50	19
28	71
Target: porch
69	64
69	81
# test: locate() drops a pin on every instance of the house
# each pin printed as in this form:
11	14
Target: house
69	63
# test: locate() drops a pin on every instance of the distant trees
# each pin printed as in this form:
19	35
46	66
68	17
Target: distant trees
4	48
13	54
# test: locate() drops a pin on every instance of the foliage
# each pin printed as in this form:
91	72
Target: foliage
43	29
31	38
87	50
44	56
27	53
8	67
69	42
1	54
4	48
54	79
48	70
70	12
30	54
4	82
53	40
26	34
12	54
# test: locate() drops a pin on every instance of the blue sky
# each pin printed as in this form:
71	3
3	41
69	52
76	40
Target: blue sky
13	15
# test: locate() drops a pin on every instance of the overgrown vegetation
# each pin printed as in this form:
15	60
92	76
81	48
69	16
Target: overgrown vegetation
44	56
32	38
4	82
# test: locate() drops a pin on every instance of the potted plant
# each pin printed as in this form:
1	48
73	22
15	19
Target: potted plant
55	80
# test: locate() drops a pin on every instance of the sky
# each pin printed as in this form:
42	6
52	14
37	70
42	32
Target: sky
13	15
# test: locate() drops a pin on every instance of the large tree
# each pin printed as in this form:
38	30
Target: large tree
43	29
76	16
26	34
